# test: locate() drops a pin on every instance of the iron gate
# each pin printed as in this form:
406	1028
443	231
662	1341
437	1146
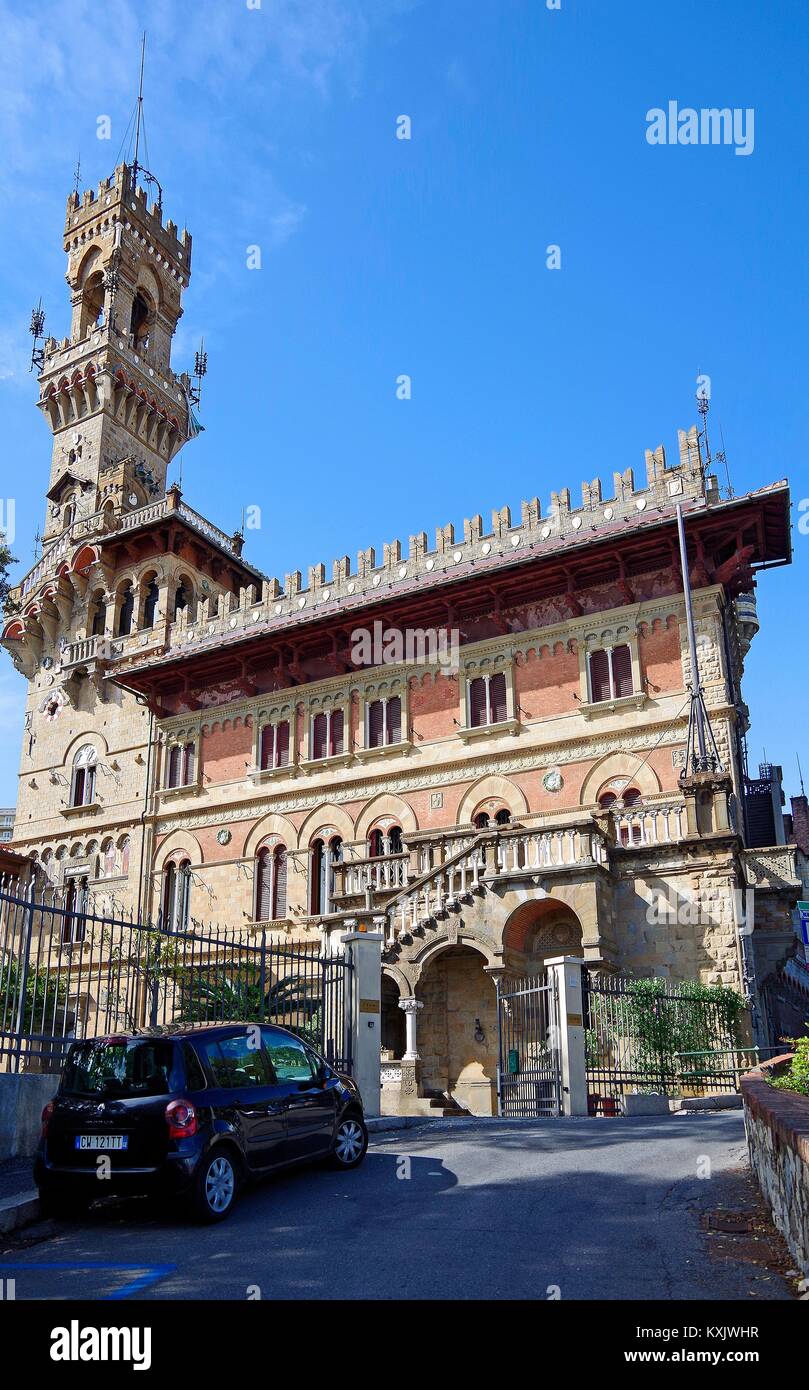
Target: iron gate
528	1082
67	972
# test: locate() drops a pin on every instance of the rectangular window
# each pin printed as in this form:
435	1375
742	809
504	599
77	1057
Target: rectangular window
234	1063
327	734
611	673
488	701
384	722
274	750
290	1059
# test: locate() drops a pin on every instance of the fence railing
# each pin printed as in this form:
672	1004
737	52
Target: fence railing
67	973
674	1039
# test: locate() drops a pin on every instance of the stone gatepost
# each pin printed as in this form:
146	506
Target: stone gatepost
573	1076
364	950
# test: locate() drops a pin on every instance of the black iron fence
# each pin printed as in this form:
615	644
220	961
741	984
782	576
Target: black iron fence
657	1036
67	973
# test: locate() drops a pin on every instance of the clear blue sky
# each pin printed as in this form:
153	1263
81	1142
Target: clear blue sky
276	126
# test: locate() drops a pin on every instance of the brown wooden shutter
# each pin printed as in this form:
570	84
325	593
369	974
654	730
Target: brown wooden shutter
280	885
599	676
477	702
263	886
189	764
497	698
376	715
394	719
319	736
622	670
282	744
265	750
336	731
173	777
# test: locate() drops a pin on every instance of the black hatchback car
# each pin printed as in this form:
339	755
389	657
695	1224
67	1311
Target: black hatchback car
194	1111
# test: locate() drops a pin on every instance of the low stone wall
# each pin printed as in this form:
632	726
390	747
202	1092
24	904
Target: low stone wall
22	1099
777	1125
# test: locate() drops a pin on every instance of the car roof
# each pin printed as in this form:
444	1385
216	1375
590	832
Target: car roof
188	1031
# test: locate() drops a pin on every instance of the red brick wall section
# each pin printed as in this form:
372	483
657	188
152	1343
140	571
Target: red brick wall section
546	681
227	750
800	822
660	659
434	705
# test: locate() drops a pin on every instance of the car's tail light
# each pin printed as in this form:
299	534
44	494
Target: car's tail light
181	1118
46	1117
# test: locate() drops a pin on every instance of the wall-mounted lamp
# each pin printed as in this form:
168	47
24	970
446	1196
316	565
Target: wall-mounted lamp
480	1036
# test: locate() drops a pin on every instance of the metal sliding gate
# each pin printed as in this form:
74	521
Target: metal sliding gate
528	1079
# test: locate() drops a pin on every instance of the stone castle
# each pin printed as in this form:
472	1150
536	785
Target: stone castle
201	743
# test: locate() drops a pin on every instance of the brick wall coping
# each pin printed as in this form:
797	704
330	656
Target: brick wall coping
785	1112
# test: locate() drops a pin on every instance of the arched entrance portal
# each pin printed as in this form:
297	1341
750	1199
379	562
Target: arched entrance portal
539	930
457	1030
393	1020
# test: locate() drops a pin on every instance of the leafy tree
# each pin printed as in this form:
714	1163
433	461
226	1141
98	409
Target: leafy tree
6	559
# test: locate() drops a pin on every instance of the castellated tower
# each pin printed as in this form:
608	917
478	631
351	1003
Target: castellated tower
126	564
117	410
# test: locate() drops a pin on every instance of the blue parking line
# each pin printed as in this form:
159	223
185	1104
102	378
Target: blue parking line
150	1275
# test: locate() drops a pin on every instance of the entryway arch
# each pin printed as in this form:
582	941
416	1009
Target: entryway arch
457	1028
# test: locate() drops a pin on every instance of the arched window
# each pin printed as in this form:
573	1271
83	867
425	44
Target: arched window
382	842
176	895
322	882
150	598
139	322
109	861
183	599
271	884
83	777
483	820
92	304
68	516
74	921
126	611
98	614
125	846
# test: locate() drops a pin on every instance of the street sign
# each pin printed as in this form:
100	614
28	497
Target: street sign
803	909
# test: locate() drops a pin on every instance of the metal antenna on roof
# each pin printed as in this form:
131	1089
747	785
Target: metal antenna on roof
140	107
800	773
77	176
702	754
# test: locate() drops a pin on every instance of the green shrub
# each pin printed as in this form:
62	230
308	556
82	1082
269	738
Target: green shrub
796	1076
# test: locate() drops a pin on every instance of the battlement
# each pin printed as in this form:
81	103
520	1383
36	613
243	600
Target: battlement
665	485
117	199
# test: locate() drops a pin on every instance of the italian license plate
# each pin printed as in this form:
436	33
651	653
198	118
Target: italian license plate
101	1141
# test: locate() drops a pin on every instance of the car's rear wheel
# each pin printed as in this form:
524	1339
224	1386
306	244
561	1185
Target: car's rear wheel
350	1142
215	1187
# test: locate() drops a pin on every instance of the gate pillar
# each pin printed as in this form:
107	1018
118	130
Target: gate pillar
573	1075
365	952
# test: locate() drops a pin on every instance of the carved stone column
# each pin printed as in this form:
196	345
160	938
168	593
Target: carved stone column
410	1008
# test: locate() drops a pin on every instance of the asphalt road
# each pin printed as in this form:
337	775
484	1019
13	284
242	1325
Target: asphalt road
576	1209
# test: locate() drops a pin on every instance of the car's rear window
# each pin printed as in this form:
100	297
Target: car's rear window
122	1067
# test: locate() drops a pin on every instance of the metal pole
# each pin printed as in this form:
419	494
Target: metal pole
696	688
